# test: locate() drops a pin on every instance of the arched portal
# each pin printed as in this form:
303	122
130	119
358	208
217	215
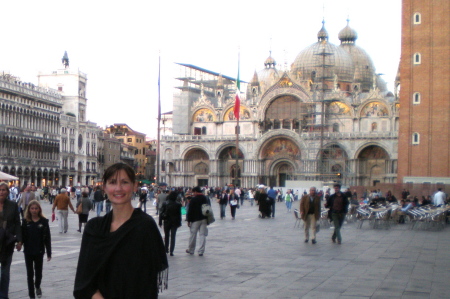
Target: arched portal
281	157
197	162
373	162
333	163
227	163
282	171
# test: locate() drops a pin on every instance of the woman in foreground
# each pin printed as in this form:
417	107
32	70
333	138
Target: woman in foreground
122	254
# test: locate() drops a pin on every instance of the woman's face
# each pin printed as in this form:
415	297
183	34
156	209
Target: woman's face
119	188
3	193
34	210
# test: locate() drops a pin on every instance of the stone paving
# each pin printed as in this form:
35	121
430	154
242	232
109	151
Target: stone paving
267	258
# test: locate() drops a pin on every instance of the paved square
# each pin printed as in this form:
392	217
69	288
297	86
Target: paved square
266	258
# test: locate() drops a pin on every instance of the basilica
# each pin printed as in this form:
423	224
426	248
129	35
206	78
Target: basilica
329	117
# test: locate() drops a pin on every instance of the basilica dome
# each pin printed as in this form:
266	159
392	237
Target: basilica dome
364	68
323	56
267	76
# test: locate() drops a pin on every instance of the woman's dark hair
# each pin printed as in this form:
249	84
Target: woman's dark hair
115	168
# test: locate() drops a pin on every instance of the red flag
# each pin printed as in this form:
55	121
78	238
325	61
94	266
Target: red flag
237	103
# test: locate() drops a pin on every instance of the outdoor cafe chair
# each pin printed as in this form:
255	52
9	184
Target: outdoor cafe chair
297	218
363	215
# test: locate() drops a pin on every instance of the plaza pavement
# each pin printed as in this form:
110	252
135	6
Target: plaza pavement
267	258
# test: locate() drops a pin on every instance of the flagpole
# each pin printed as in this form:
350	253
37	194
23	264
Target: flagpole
159	123
237	115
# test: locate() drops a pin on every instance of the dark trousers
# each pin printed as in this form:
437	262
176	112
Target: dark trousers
338	220
4	279
223	208
34	270
233	210
172	232
273	202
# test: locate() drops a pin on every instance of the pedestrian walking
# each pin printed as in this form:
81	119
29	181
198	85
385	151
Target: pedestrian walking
10	227
288	199
233	200
170	215
62	203
310	213
86	206
143	200
36	242
223	202
338	205
197	222
99	197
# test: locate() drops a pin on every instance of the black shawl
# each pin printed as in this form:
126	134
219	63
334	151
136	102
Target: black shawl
128	263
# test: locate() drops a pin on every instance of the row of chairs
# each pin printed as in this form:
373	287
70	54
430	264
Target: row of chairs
421	218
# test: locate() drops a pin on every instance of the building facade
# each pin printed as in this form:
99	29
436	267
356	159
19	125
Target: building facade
78	146
424	139
29	131
329	117
126	135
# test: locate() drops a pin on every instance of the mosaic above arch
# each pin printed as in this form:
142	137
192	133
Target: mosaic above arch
281	146
230	153
338	108
374	109
204	115
244	114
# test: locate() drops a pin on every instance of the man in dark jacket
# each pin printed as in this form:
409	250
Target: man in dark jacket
170	213
98	200
338	205
197	222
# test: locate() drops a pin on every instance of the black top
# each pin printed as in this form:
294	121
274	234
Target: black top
13	232
345	202
98	196
170	212
195	208
130	262
36	237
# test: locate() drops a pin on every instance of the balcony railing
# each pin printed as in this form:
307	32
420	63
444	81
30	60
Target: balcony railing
308	135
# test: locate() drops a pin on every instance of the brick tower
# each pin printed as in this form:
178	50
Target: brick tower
424	132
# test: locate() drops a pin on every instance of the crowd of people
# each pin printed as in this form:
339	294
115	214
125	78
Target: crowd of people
114	237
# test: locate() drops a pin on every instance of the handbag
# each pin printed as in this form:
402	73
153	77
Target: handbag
53	216
79	209
206	209
183	210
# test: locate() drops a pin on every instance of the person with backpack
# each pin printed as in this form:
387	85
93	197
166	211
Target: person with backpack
170	215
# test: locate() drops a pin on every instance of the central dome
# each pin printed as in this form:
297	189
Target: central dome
323	59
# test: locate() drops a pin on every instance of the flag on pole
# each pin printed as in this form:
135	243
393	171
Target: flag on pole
237	103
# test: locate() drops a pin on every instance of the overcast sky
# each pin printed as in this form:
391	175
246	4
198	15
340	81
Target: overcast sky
117	43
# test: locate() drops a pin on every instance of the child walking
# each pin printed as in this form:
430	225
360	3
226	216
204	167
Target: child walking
36	241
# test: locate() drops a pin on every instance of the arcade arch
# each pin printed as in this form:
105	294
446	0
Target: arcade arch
373	164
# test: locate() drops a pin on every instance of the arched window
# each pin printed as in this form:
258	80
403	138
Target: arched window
417	58
416	98
415	138
417	18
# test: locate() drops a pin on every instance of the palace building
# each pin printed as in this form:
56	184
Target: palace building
329	117
29	131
